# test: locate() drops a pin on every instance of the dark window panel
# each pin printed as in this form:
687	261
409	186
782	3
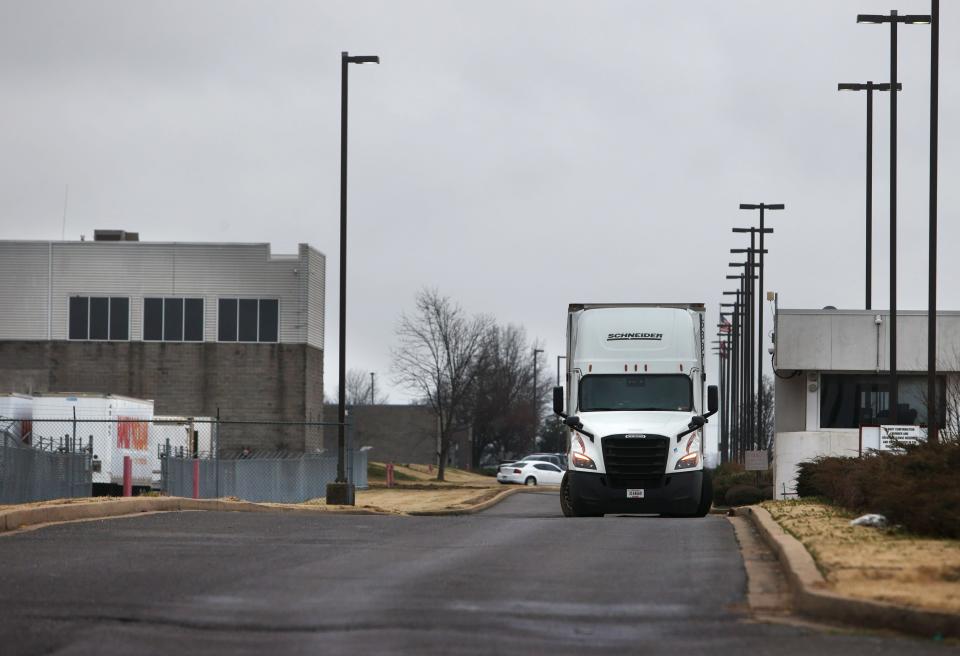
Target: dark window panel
854	400
78	317
172	319
193	320
120	318
99	318
268	320
227	320
248	320
152	319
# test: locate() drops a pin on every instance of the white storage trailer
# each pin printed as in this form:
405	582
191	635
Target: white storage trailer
16	411
635	403
122	429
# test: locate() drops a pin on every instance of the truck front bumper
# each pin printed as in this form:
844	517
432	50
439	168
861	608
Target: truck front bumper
679	494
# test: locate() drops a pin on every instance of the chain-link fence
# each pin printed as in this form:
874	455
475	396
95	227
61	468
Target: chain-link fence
275	476
46	469
278	461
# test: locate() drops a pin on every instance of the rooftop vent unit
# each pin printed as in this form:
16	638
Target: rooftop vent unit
115	235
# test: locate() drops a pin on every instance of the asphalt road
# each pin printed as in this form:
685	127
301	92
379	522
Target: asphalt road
518	579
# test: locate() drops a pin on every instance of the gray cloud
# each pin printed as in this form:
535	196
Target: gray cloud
518	156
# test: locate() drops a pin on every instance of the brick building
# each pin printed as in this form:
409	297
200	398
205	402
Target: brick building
196	327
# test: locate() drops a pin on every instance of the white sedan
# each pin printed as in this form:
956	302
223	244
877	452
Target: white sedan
530	473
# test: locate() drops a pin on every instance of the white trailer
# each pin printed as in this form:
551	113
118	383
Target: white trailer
121	427
636	404
16	411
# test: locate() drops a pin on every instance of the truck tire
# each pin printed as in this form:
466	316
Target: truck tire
566	503
530	481
706	495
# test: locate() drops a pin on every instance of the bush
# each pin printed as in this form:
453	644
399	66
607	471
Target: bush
743	495
918	489
729	474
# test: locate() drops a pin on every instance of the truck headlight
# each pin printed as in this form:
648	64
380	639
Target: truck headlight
692	456
583	462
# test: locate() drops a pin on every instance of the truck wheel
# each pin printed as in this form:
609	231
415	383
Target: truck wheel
530	481
566	503
706	495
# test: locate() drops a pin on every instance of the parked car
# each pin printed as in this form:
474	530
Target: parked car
559	459
531	472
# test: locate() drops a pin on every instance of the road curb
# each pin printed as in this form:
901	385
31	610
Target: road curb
812	598
470	510
17	518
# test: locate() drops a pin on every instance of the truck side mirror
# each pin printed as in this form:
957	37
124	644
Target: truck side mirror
558	401
713	400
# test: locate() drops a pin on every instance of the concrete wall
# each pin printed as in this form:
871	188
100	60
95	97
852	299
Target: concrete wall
790	396
851	340
398	433
245	381
39	277
792	448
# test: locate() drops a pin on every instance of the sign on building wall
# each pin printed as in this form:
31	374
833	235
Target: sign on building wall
756	460
894	438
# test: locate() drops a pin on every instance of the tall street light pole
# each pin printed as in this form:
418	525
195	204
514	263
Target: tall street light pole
893	19
760	300
869	87
746	282
933	416
341	492
536	408
735	378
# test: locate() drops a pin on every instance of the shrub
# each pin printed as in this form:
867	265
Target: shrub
918	489
743	495
724	477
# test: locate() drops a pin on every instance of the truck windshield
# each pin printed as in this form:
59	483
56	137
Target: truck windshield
671	392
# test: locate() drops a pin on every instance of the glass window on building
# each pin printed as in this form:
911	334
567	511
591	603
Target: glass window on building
854	400
248	320
173	319
100	318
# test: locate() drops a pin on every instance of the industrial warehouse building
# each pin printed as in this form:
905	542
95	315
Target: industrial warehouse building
832	381
196	327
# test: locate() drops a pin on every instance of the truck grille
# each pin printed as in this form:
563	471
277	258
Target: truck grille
635	462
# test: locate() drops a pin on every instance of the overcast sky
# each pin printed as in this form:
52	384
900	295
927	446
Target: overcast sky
517	156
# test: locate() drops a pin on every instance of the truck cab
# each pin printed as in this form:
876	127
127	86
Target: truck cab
635	403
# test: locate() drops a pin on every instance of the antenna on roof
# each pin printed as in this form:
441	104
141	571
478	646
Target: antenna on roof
63	230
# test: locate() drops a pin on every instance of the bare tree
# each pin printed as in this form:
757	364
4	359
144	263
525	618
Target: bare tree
358	387
948	402
437	356
503	418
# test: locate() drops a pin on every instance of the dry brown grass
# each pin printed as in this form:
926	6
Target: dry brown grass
884	565
453	476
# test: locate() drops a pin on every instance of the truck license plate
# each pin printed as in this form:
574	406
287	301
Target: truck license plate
634	494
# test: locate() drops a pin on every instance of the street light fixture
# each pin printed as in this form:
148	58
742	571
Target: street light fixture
869	87
894	19
341	492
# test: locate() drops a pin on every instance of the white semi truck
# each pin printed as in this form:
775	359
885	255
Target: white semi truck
636	402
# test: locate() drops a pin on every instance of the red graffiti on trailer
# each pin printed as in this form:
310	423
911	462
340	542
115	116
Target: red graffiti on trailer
132	434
